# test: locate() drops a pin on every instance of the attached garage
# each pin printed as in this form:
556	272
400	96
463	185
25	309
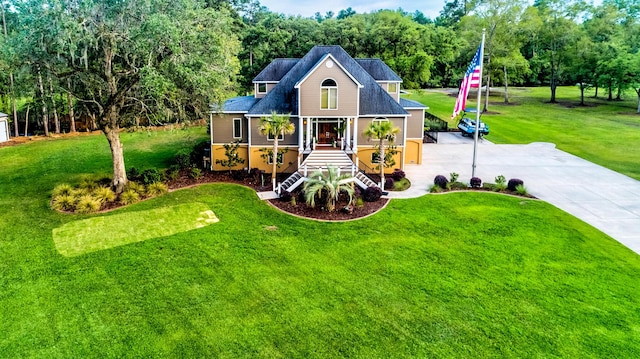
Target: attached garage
4	127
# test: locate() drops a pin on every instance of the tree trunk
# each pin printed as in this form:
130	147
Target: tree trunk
72	118
45	118
581	94
638	92
619	94
274	160
382	163
596	95
488	84
26	121
506	85
117	157
610	98
552	84
56	120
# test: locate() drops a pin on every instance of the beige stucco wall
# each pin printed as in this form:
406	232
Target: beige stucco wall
415	123
364	156
217	152
310	92
260	140
364	122
223	128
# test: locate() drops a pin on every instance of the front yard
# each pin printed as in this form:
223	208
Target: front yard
455	275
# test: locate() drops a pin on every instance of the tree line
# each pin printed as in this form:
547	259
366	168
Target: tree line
107	64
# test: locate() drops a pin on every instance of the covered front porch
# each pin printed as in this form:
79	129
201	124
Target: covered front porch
328	133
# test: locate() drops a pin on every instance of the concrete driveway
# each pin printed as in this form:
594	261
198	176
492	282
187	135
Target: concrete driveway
601	197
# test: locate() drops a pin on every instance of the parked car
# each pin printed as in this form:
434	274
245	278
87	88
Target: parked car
468	126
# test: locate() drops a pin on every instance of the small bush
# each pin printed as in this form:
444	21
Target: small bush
129	196
104	195
500	179
62	190
457	186
64	202
89	184
293	200
88	204
500	186
195	173
182	160
441	181
475	182
389	183
453	177
372	194
513	183
150	175
79	192
172	173
156	189
402	185
286	196
359	202
398	174
135	187
521	190
434	188
198	152
133	174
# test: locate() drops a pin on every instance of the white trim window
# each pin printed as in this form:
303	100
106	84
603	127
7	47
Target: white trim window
280	158
329	95
237	128
270	137
379	120
262	88
392	87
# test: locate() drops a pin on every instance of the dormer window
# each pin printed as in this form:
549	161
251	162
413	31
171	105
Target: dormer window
329	95
262	88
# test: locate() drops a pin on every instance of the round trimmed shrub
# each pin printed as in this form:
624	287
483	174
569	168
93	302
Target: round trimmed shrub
389	183
475	182
182	160
150	176
88	204
441	181
286	196
513	183
398	174
372	194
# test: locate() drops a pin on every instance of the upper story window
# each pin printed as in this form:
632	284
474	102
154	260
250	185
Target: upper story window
329	95
271	138
237	128
379	120
392	87
262	88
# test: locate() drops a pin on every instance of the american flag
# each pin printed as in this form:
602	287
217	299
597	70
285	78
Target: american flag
471	79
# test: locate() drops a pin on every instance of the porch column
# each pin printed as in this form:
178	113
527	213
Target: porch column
347	146
300	137
309	123
355	135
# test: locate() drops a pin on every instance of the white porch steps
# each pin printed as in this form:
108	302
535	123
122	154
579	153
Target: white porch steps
320	160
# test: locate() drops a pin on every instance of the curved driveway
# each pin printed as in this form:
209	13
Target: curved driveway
601	197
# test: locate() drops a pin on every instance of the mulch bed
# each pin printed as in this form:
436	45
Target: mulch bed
302	210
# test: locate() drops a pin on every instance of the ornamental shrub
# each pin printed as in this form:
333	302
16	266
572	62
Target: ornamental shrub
150	175
172	173
129	196
521	190
475	182
156	189
513	183
64	202
88	204
441	181
104	195
453	177
133	174
61	190
398	174
198	152
135	187
195	173
286	196
182	160
389	183
372	194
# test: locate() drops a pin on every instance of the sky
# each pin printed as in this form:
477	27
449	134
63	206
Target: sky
307	8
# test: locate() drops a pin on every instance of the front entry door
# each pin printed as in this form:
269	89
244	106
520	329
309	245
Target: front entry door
326	133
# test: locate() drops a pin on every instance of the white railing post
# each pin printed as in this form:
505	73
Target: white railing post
305	170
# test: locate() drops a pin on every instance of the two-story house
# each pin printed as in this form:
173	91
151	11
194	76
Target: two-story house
331	99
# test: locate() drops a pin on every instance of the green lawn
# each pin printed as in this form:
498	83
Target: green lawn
604	132
455	275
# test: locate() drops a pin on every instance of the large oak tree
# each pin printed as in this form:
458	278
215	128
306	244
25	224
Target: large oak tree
166	59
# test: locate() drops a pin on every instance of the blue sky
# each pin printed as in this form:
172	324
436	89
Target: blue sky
306	8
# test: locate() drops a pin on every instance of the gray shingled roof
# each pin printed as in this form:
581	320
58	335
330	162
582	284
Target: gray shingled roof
411	104
239	104
283	98
275	70
378	70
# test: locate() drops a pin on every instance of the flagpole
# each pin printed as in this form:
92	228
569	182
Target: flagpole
475	135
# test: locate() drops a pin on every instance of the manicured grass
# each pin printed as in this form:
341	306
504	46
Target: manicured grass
604	132
455	275
108	231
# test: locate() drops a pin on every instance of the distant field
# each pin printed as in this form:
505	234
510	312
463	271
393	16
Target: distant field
604	132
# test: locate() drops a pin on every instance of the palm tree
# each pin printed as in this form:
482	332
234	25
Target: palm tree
382	131
275	126
330	183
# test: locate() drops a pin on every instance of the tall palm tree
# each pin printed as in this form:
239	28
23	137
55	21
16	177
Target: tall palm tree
382	131
331	183
275	126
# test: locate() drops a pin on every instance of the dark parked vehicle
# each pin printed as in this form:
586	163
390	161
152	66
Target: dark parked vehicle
468	127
